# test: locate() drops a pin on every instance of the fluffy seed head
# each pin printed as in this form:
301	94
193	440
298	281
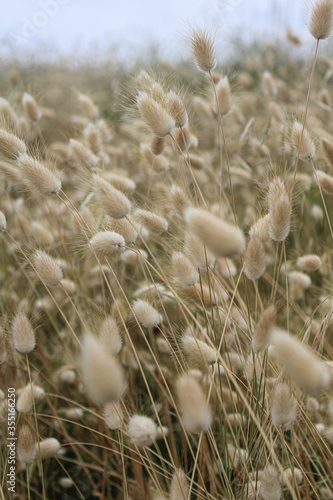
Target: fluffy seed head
160	122
309	263
11	147
82	155
88	107
7	114
113	415
269	84
48	448
260	229
142	430
195	414
107	244
179	201
288	476
220	237
112	201
110	336
222	100
197	352
270	487
157	145
3	222
202	48
307	371
321	19
184	270
23	334
327	148
176	108
283	405
125	227
279	210
31	108
146	314
197	253
302	143
301	280
151	221
47	268
102	374
255	259
179	488
325	182
40	177
262	330
28	394
26	447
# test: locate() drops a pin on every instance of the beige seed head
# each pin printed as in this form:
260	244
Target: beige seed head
107	244
151	221
82	155
101	372
263	328
255	259
47	268
198	353
179	488
220	237
26	447
302	143
7	114
312	404
283	405
304	367
269	84
279	210
202	48
31	108
11	147
184	270
88	107
125	227
39	176
142	430
321	18
222	101
26	397
325	182
196	251
176	108
157	145
121	183
48	448
23	334
156	117
3	222
110	336
113	415
111	200
270	487
288	476
179	201
309	263
41	234
260	229
146	314
300	279
184	138
195	414
327	149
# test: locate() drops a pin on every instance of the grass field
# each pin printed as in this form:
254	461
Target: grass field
166	275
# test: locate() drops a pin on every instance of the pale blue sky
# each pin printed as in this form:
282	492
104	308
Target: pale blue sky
131	24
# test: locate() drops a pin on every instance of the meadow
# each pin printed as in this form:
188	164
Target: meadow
166	325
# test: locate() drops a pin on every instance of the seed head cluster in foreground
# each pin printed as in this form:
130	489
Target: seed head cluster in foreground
166	269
